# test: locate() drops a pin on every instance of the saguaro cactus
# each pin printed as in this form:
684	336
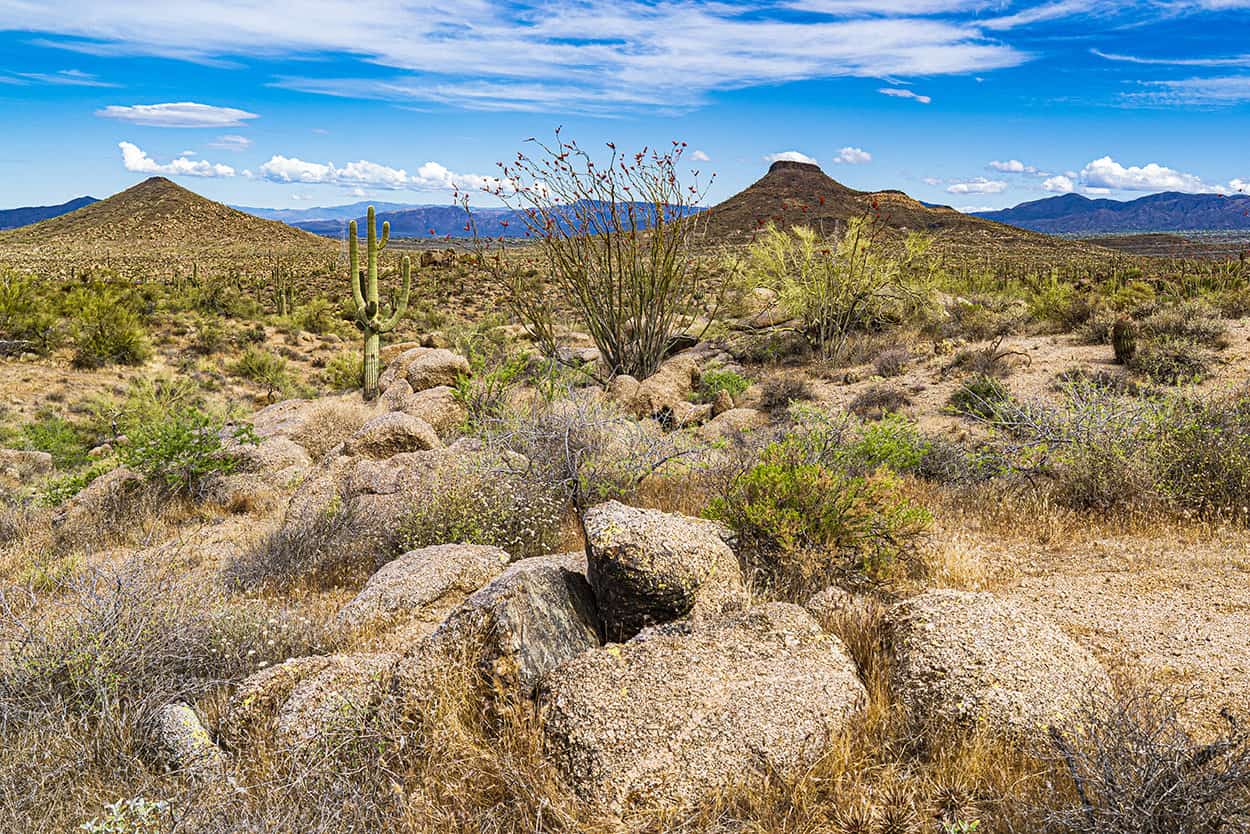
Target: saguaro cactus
370	318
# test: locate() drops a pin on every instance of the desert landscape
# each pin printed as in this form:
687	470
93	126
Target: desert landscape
597	497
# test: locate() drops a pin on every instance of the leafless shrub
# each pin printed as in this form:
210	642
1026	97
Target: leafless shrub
876	401
1134	769
329	425
780	391
991	360
892	362
329	550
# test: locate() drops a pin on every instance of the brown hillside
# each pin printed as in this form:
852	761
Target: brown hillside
794	193
154	218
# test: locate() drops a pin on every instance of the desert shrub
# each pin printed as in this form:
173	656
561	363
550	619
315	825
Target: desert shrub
989	360
209	336
984	317
485	394
475	505
822	502
1060	303
714	380
59	490
892	362
51	433
1110	381
780	391
634	292
136	815
1133	767
1192	322
330	424
878	400
978	396
318	316
838	287
181	449
330	550
105	330
1170	360
27	321
264	368
345	372
587	451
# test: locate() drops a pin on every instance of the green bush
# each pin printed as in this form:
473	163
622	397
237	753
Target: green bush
182	449
264	368
715	380
319	316
1170	360
105	331
979	396
345	372
58	437
25	315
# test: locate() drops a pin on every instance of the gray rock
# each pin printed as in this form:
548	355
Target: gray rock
681	712
972	660
390	434
183	745
425	367
408	598
531	618
649	567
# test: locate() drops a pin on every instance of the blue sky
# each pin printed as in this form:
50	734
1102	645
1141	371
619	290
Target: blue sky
974	103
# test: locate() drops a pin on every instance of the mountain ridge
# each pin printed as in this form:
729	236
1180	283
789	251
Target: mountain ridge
15	218
1167	211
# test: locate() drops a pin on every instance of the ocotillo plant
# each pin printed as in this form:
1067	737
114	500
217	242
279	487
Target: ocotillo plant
369	316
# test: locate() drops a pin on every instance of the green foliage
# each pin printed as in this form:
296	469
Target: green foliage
345	372
136	815
319	316
58	437
1061	303
715	380
837	287
825	499
484	394
182	449
59	490
1170	360
265	368
25	316
105	329
980	395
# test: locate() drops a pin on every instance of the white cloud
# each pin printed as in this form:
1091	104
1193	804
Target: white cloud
1096	192
1234	61
700	156
934	181
136	160
1107	173
790	156
1240	185
66	78
903	92
231	142
177	114
1223	91
1059	184
637	54
979	185
1012	166
430	176
853	156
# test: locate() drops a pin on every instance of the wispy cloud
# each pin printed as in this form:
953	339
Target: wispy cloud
1222	91
177	114
1232	61
572	55
136	160
977	185
231	142
63	78
903	92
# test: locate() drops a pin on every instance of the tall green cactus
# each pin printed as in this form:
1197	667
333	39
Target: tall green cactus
369	316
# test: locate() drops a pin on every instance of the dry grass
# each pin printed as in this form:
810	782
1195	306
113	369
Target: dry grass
329	425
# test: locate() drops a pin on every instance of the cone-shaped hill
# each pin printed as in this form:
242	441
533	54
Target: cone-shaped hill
800	193
158	217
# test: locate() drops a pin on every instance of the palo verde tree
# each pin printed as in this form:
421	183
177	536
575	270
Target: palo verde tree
371	319
618	238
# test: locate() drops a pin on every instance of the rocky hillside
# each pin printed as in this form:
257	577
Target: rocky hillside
156	217
1167	212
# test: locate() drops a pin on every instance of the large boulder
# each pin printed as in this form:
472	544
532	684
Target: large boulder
391	434
182	745
665	395
732	423
973	661
424	368
683	711
649	567
101	502
300	702
437	406
410	597
264	472
534	616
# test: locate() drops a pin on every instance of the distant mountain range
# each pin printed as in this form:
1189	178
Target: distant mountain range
1167	212
13	218
304	215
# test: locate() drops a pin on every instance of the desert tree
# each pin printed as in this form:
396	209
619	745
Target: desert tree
618	243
